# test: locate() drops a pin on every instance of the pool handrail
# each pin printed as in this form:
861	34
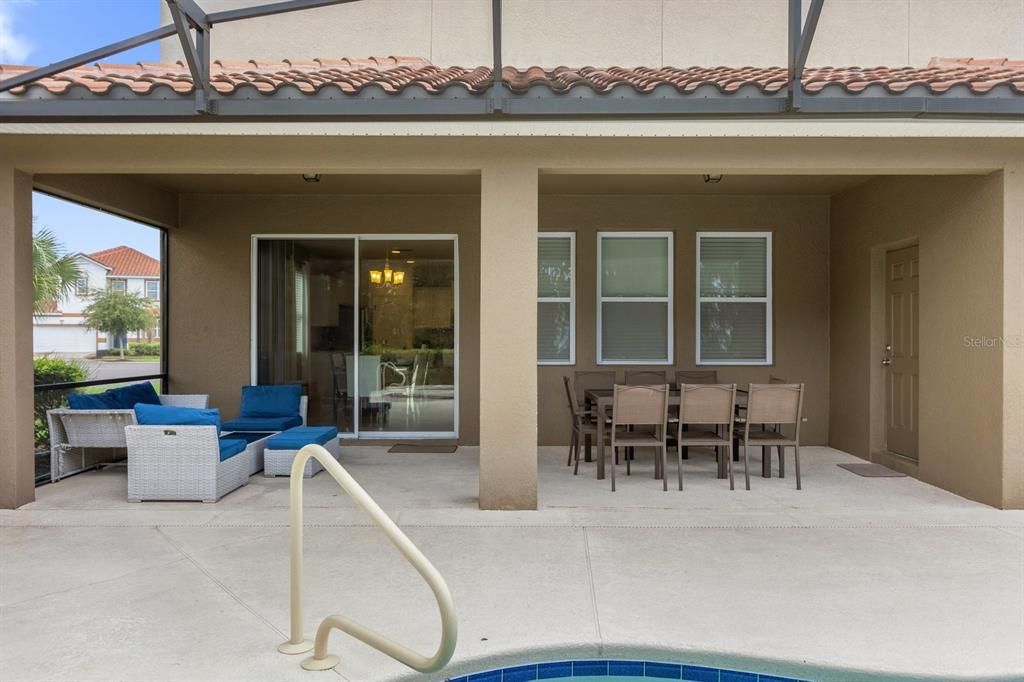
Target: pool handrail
321	660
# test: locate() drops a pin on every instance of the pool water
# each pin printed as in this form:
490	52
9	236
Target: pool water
618	671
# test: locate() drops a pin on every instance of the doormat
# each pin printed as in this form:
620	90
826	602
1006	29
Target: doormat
423	448
872	470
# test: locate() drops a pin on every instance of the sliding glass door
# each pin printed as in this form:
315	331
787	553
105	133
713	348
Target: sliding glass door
367	325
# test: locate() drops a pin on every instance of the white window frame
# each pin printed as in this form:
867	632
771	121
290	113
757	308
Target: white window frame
767	299
82	286
115	280
146	288
571	299
669	300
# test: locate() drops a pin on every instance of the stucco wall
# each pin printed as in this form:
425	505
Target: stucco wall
800	249
625	32
958	223
209	345
209	263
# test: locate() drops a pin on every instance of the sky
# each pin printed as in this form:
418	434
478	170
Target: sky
40	32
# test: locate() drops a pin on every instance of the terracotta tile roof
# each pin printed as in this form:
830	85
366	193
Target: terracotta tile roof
394	74
124	261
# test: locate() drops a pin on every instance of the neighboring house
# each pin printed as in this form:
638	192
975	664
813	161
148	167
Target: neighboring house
122	268
429	243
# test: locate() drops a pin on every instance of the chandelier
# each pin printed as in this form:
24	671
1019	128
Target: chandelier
387	277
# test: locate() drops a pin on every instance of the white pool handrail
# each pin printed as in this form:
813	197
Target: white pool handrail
321	660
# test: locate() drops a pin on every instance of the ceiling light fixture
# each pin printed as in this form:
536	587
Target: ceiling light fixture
712	178
311	177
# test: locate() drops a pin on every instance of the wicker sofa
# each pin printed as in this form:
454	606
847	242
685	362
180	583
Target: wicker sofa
82	439
184	463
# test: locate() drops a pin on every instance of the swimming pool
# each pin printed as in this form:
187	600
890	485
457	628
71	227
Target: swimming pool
601	670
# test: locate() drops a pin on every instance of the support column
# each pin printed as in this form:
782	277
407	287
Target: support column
1013	334
17	461
508	338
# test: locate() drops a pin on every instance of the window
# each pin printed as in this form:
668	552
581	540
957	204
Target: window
153	289
119	285
634	308
556	298
734	298
82	286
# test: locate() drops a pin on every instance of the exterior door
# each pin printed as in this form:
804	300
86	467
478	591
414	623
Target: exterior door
902	269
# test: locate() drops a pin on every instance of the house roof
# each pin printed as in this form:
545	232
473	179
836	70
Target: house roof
124	261
394	75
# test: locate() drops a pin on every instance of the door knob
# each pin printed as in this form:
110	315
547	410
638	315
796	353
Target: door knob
886	362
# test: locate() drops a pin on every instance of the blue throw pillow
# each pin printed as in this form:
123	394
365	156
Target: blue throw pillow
129	396
93	401
165	415
271	401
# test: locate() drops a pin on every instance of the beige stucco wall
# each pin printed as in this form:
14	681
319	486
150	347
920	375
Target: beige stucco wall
625	32
958	223
209	260
800	259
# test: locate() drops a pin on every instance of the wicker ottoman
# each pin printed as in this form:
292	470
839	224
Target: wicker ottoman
281	449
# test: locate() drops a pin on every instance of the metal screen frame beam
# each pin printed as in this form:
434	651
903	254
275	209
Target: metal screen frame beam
801	35
90	56
498	91
198	64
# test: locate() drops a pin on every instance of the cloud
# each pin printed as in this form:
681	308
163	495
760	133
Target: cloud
14	48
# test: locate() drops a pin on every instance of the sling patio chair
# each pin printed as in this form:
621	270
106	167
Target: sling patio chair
645	407
706	405
776	406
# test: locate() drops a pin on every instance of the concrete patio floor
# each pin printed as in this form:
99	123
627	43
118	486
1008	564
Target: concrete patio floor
850	578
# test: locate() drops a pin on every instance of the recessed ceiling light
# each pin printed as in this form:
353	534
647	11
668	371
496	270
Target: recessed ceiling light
396	251
712	179
311	177
410	262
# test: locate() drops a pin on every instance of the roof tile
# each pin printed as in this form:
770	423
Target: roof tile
395	73
125	261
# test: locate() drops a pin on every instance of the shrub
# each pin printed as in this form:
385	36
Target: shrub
52	370
144	348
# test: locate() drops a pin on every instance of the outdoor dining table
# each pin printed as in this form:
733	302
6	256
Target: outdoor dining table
601	399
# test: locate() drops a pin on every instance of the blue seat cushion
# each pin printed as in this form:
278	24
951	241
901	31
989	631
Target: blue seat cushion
262	423
129	396
249	436
296	438
165	415
229	447
270	401
92	401
123	398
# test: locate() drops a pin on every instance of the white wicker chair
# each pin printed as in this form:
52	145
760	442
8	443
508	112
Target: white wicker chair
181	463
85	430
256	448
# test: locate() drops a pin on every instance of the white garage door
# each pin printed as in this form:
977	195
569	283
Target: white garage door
59	339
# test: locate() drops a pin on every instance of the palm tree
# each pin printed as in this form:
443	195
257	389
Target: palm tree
54	272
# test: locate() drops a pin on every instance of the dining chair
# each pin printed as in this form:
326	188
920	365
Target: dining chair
587	380
706	405
696	376
773	404
644	377
640	406
583	424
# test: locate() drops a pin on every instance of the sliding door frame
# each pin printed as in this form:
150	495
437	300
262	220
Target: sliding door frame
357	237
